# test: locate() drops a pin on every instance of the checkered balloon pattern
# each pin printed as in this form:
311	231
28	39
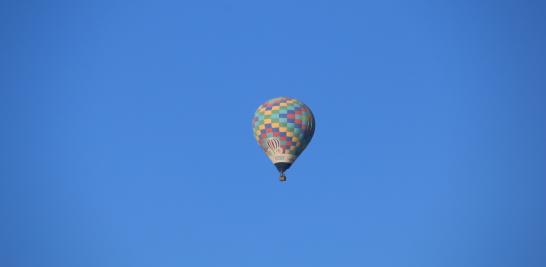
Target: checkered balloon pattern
283	126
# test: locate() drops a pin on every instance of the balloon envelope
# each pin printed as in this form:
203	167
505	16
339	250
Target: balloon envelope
283	127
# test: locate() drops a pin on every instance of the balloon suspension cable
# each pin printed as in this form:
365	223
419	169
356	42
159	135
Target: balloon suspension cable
282	178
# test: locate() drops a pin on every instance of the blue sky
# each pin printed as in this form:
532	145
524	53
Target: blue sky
126	133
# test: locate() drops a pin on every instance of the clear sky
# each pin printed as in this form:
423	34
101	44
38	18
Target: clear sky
126	133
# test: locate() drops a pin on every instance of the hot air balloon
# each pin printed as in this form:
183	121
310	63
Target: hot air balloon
283	127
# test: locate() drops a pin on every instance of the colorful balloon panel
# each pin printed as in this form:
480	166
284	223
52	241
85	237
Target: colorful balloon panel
283	127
